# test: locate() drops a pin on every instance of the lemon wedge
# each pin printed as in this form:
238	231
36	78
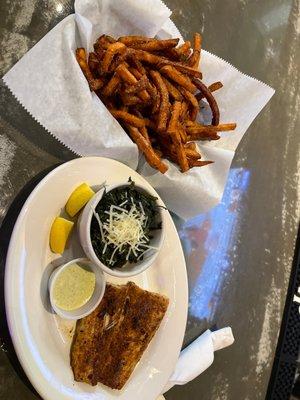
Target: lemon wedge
59	233
78	199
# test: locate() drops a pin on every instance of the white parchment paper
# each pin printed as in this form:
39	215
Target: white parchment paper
50	85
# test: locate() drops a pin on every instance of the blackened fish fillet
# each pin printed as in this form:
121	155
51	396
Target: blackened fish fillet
109	342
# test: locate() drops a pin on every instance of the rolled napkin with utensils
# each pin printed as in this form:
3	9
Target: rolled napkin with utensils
198	356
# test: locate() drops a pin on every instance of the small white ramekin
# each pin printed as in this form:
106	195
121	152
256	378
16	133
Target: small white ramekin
93	301
84	227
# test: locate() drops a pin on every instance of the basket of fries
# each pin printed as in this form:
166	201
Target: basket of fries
154	88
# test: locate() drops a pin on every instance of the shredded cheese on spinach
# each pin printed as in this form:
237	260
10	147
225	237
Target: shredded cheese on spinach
121	226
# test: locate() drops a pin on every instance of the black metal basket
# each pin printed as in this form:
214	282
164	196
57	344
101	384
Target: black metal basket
284	382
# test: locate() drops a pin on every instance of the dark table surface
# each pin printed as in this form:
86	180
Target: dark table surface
239	254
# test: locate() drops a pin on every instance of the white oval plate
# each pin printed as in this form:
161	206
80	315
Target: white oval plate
41	339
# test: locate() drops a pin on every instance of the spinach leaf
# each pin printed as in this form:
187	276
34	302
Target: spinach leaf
126	195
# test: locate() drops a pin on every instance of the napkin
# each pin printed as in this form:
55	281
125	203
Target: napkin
48	82
198	356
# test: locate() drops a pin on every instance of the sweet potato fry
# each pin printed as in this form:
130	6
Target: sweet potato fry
102	44
137	65
211	101
164	107
173	91
123	108
185	48
192	100
125	74
117	60
198	163
195	57
189	123
135	72
108	102
182	133
181	156
128	118
143	130
81	58
193	113
128	40
198	128
170	54
194	105
215	86
190	146
128	77
173	130
154	45
110	39
183	68
96	84
176	76
225	127
145	56
158	152
112	50
204	135
192	154
150	123
164	103
184	110
169	150
195	130
99	50
191	150
175	113
130	99
155	97
112	85
104	41
212	88
93	62
138	86
145	147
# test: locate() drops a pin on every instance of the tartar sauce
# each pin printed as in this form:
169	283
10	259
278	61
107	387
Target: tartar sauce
73	287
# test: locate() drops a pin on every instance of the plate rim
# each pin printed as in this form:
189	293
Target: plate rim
9	273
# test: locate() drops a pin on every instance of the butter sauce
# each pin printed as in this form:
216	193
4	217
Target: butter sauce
73	287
